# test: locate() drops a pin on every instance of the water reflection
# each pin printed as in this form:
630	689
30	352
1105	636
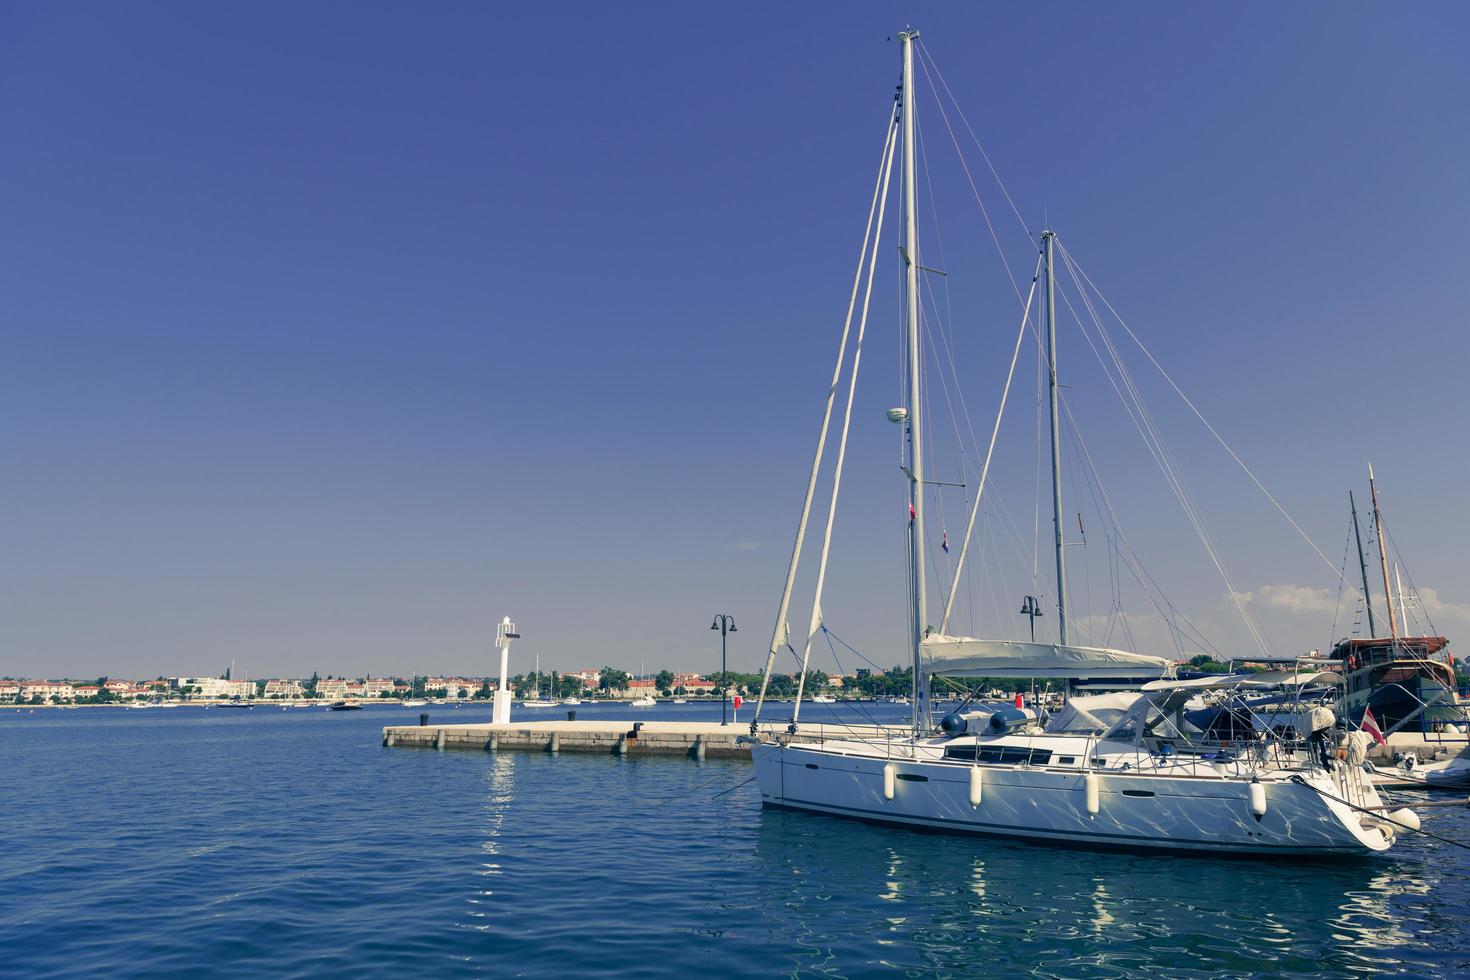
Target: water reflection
499	791
955	903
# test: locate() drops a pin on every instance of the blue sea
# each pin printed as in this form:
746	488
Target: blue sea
231	842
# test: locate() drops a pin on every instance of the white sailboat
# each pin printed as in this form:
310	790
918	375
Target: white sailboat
538	701
643	700
1108	770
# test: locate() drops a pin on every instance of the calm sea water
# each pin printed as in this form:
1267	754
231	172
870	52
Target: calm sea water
243	842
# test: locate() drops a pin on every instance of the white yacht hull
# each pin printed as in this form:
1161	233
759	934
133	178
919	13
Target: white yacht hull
1195	813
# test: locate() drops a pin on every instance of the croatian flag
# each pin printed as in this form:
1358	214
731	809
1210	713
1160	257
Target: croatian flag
944	542
1371	727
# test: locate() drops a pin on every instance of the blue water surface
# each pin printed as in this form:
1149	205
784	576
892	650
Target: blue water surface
231	842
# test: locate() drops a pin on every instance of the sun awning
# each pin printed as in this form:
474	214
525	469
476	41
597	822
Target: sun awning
964	655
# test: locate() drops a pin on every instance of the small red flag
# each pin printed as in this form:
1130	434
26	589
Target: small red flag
1371	727
1020	703
911	510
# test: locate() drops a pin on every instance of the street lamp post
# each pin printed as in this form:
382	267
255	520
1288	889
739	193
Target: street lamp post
726	625
1030	608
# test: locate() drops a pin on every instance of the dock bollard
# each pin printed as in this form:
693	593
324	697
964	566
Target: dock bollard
571	716
423	719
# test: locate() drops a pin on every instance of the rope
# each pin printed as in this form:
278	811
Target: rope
1380	816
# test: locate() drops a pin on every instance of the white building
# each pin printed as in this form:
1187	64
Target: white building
331	687
284	689
47	689
217	687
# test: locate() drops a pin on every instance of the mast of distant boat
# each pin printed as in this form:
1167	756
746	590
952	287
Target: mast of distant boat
915	419
1362	565
1047	240
1393	623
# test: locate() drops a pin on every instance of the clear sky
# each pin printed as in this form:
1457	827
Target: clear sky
330	333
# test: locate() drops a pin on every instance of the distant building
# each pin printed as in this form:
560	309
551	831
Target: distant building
217	687
119	686
331	687
85	691
590	678
453	687
284	689
46	689
693	684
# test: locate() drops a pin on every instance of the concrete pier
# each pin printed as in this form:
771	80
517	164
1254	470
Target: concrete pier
697	739
710	739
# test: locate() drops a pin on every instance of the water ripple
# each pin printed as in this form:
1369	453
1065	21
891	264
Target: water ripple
238	843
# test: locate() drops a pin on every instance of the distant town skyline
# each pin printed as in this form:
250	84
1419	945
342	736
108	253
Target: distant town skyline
325	348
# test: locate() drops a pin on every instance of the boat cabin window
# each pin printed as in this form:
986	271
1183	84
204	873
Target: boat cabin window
1008	754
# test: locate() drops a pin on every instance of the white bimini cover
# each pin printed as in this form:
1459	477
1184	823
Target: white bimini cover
1004	658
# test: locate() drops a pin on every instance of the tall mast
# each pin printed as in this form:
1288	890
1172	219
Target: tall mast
915	407
1362	565
1393	622
1047	238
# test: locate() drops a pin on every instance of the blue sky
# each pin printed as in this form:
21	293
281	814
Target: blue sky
331	333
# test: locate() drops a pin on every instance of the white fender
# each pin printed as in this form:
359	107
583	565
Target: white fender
975	774
1089	784
1406	817
1258	800
890	776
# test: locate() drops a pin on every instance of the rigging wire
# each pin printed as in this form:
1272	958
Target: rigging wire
926	60
1337	603
1078	271
1137	409
782	630
964	164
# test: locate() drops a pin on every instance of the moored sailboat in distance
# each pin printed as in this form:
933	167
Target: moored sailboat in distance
1108	770
537	700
